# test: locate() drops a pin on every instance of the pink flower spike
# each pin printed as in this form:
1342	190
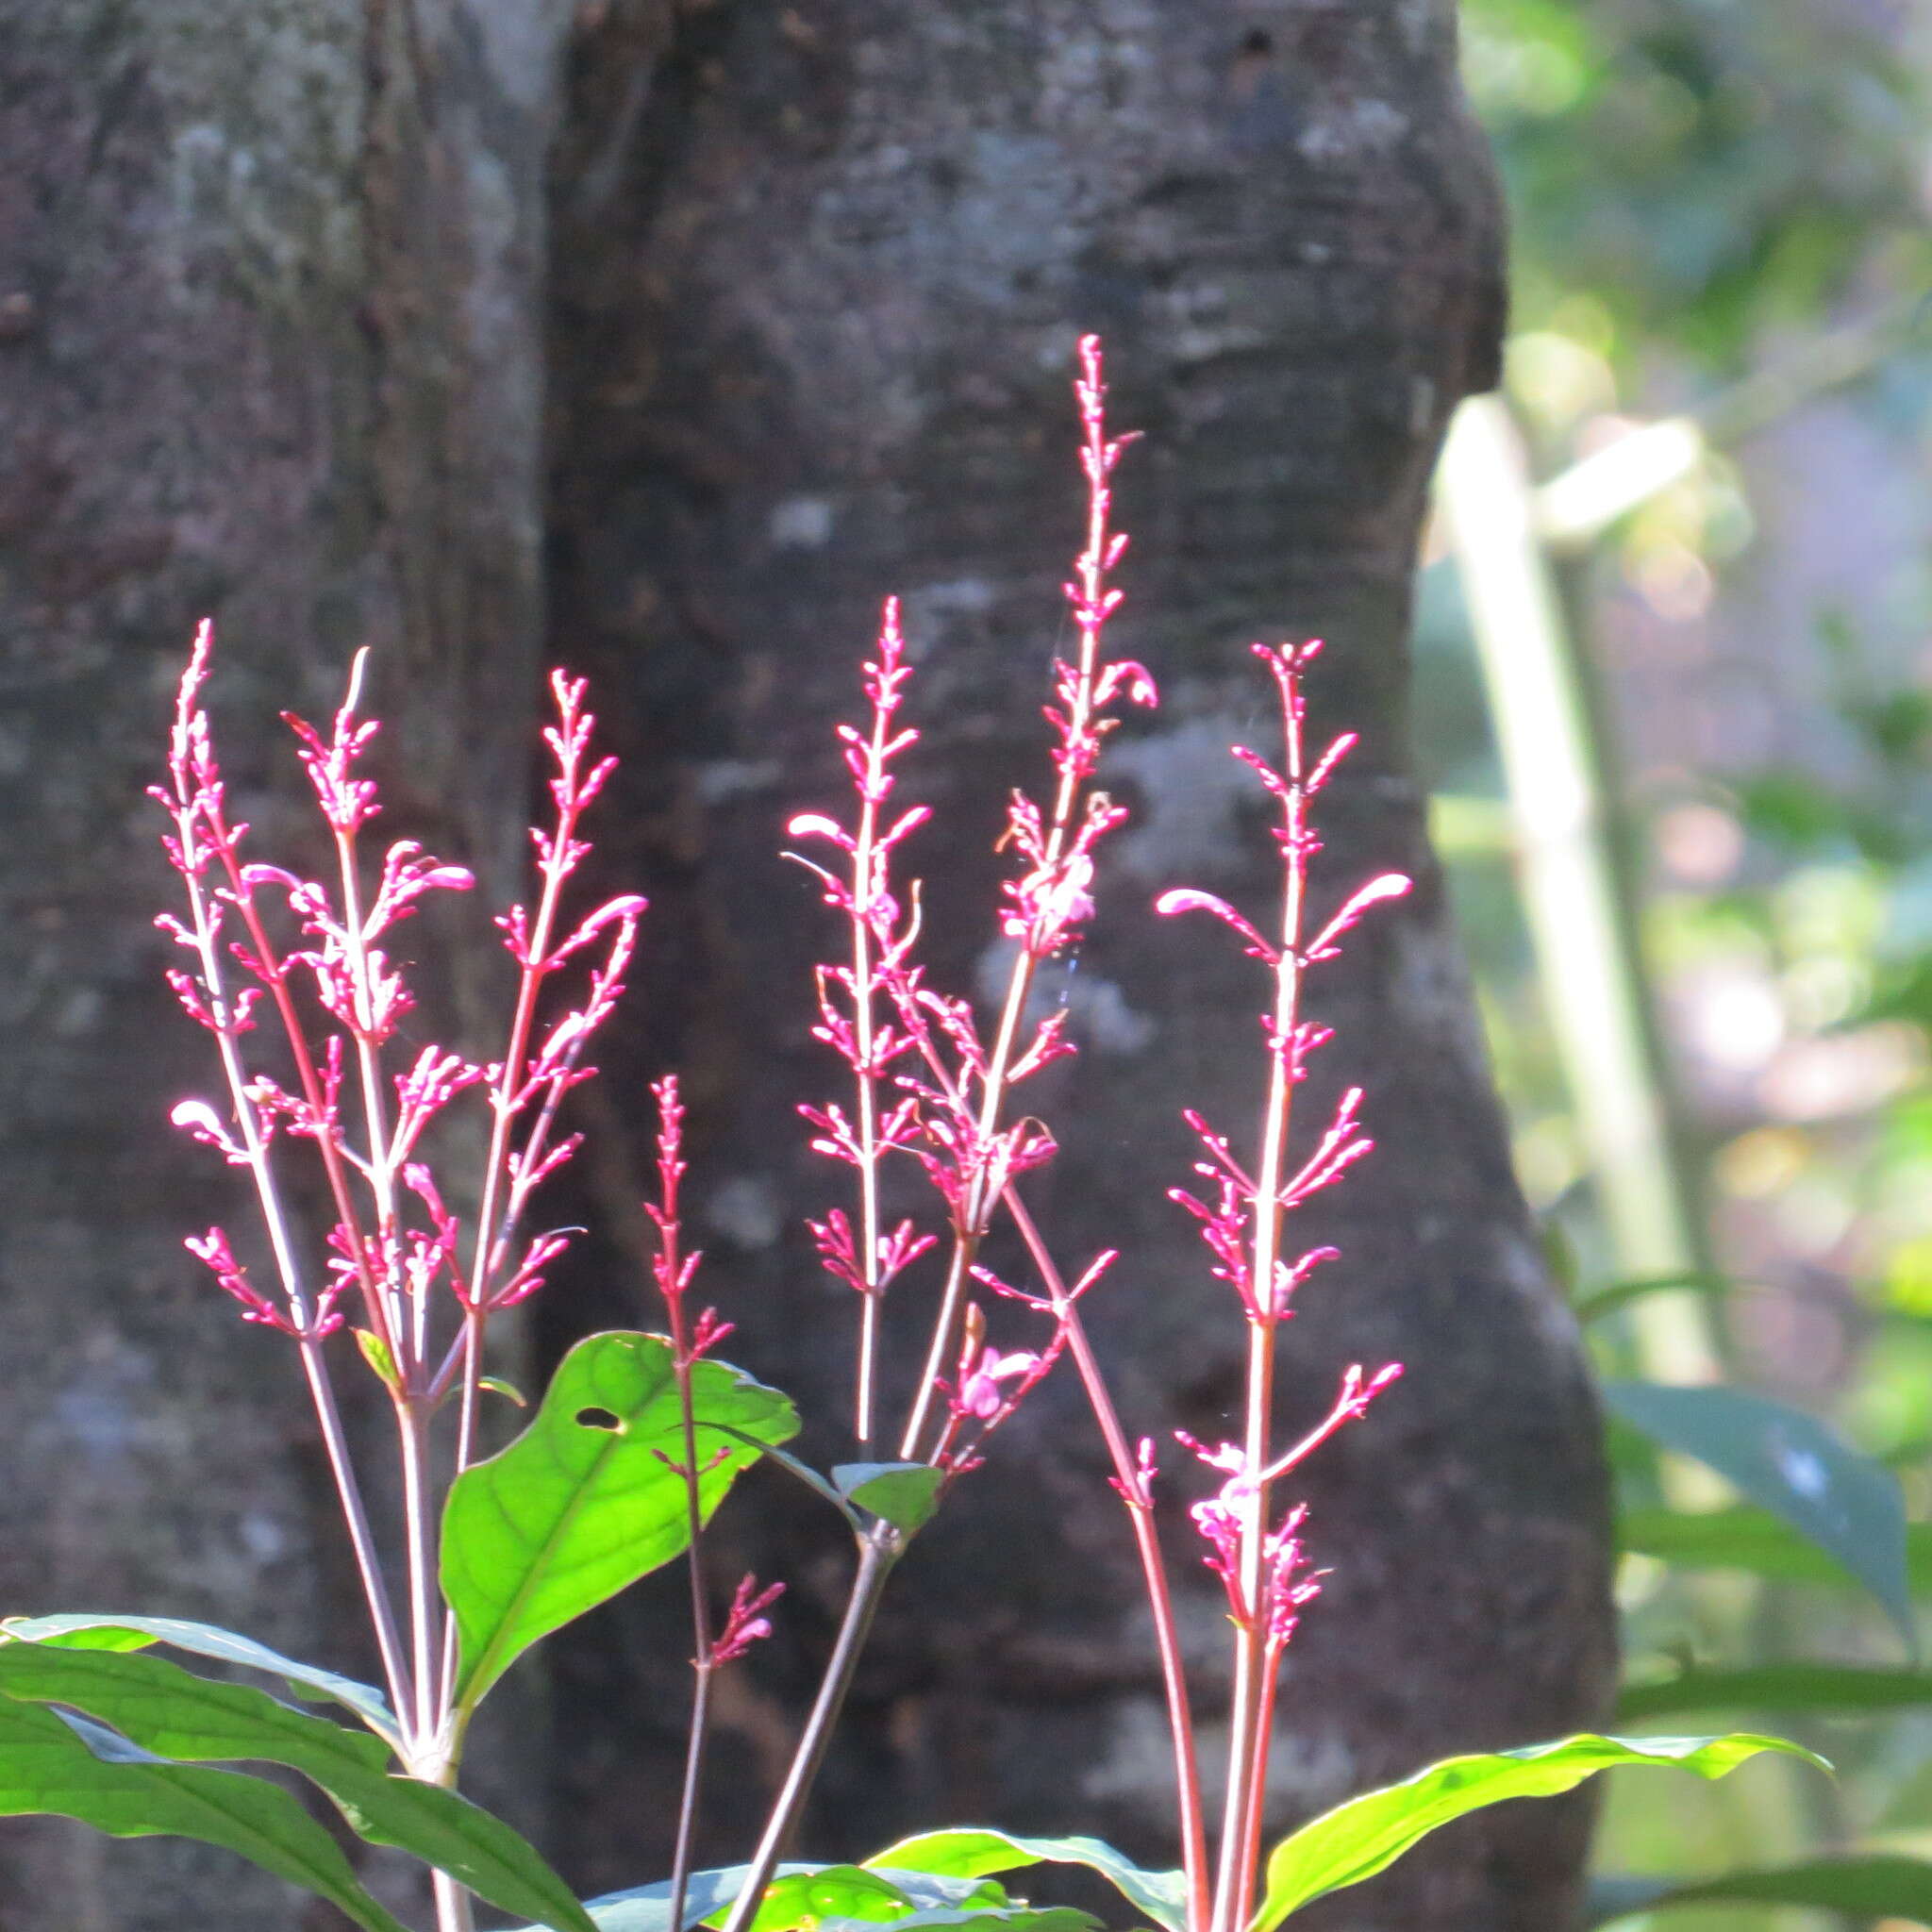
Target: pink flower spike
1186	899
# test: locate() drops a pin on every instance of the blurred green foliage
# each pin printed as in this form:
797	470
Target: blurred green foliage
1709	199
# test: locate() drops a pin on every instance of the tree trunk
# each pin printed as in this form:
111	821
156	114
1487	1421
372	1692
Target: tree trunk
272	347
269	296
821	271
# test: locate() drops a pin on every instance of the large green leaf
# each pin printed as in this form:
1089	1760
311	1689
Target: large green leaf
1368	1834
708	1895
585	1501
849	1898
1789	1464
68	1767
1869	1887
79	1632
173	1714
1776	1687
974	1851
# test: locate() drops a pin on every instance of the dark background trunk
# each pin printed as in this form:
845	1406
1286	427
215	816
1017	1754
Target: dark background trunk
274	281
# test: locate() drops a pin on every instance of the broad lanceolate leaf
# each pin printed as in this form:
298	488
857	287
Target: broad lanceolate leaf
48	1767
831	1891
173	1714
1776	1687
1871	1886
587	1500
1368	1834
905	1494
976	1850
709	1894
74	1631
1793	1465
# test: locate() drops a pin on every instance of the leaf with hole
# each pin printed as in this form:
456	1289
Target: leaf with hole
588	1498
1368	1834
57	1767
1791	1464
175	1715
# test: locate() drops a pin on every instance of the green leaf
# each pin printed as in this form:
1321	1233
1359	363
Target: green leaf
1776	1687
1872	1885
175	1714
1015	1918
379	1357
1793	1465
840	1892
1368	1834
80	1632
904	1493
1746	1537
509	1391
708	1895
57	1767
974	1851
584	1502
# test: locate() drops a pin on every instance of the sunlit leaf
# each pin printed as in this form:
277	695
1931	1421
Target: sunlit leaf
79	1632
52	1766
1368	1834
905	1494
1789	1464
977	1850
173	1714
589	1498
709	1894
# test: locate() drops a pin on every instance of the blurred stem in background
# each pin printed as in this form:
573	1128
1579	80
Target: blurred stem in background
1580	920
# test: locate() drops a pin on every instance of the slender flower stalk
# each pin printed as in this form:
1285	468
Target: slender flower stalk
1258	1561
1046	904
393	1242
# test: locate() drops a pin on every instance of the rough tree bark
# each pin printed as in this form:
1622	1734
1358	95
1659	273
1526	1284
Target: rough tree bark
272	347
270	305
819	272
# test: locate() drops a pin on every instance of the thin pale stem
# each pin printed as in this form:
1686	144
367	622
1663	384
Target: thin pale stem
382	1615
966	1238
879	1550
687	1803
1132	1482
700	1608
315	1365
412	1431
453	1905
